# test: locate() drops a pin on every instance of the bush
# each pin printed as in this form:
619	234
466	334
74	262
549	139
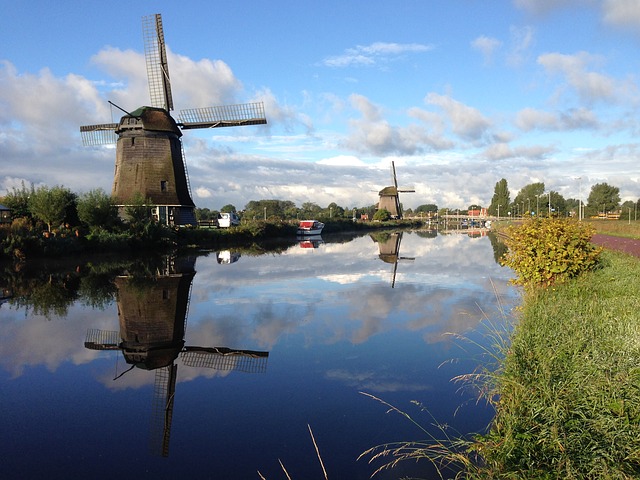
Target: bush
382	215
546	251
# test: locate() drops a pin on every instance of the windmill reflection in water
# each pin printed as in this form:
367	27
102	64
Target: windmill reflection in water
389	248
152	311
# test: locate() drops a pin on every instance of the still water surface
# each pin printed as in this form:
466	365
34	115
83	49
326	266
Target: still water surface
266	345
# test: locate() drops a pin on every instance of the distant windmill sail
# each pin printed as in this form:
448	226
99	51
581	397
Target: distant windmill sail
149	154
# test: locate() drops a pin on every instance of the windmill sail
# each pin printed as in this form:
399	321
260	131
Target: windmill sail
100	134
222	358
164	391
223	116
102	340
155	54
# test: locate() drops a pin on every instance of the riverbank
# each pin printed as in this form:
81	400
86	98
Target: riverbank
21	241
568	403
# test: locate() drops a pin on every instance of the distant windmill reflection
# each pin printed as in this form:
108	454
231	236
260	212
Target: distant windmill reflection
389	248
152	311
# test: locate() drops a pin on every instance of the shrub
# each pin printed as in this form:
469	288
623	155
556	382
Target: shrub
382	215
546	251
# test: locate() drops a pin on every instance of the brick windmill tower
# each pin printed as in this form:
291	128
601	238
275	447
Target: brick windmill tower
149	155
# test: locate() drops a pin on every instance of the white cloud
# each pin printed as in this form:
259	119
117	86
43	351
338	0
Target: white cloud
531	119
467	122
342	160
590	86
625	13
487	46
503	151
374	54
521	43
546	6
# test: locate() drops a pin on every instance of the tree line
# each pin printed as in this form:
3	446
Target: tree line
58	207
532	200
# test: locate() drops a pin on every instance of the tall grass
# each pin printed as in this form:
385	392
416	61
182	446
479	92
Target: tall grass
569	393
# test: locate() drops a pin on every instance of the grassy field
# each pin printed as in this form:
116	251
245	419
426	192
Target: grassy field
569	387
618	228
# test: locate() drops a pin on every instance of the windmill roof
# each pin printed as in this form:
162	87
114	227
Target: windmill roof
154	118
390	191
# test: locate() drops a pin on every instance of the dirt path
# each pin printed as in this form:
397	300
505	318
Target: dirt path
626	245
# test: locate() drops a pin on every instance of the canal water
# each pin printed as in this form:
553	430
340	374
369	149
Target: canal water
220	365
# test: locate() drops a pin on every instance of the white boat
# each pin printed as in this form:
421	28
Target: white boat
310	227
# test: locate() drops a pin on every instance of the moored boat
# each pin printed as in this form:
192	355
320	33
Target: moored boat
310	227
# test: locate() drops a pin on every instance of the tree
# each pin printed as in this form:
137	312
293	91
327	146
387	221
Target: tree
628	209
333	210
228	208
382	215
558	204
310	209
205	214
426	208
138	212
50	204
527	196
18	201
500	200
603	198
258	209
97	209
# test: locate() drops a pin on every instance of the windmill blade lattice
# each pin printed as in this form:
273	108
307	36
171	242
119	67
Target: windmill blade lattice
223	116
155	54
222	358
101	134
97	339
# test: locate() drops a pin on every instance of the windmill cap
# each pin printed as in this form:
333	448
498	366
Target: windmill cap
152	118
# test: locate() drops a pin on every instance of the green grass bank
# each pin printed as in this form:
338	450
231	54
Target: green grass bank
567	395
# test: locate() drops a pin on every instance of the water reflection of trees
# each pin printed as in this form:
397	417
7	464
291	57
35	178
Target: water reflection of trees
49	288
499	247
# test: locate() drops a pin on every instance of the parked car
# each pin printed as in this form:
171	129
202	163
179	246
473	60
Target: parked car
226	220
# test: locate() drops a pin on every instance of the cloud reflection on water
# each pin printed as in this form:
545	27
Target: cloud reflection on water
340	293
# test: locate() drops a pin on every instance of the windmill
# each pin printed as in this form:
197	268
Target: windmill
390	198
152	312
149	154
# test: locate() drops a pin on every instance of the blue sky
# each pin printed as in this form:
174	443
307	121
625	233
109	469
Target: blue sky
458	93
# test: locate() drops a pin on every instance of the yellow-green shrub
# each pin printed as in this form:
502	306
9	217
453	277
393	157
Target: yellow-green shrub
546	251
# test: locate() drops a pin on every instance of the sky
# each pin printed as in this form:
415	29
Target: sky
458	94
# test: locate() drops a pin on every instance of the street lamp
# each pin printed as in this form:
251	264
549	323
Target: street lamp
580	199
529	206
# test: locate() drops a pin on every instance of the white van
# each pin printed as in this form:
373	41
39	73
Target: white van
226	220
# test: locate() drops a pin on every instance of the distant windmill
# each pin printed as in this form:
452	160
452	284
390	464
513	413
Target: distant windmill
390	198
149	154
